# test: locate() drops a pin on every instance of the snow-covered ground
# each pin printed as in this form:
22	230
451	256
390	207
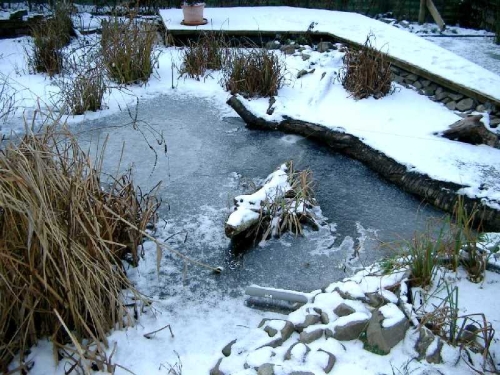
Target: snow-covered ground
351	26
401	125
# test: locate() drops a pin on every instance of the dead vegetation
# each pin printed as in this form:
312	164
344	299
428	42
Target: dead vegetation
254	72
62	239
209	52
128	48
366	72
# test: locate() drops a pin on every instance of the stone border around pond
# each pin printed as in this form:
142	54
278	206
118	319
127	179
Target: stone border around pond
441	194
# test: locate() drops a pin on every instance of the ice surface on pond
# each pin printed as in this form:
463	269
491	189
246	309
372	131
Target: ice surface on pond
205	167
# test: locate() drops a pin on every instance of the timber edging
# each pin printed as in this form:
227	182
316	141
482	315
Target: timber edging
441	194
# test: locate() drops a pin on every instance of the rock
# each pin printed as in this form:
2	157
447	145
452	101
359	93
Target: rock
481	108
266	369
273	45
442	95
398	79
324	46
285	332
308	321
395	70
288	49
471	130
405	24
429	90
435	356
465	104
455	97
439	90
451	105
349	331
305	56
343	310
303	72
446	100
425	339
385	338
18	15
404	74
215	370
425	82
307	337
375	299
288	354
411	77
331	361
227	349
324	318
494	122
270	331
417	85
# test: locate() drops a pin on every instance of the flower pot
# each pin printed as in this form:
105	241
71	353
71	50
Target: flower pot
193	14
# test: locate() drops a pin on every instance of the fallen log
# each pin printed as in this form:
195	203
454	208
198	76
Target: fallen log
471	130
441	194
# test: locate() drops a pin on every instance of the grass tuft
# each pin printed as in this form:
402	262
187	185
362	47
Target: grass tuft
128	48
366	72
62	239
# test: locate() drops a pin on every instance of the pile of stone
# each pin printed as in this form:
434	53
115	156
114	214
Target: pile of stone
454	101
310	340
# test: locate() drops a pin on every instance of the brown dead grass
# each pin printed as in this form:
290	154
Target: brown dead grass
62	238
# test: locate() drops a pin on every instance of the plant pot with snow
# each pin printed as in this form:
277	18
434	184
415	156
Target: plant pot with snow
193	13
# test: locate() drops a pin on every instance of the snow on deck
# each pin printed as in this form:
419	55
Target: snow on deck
355	27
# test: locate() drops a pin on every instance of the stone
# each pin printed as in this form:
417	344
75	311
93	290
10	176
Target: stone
288	354
404	74
494	122
227	349
343	310
411	77
451	105
266	369
439	90
288	49
215	370
385	338
307	337
270	331
405	24
349	331
441	96
308	321
324	46
465	104
303	72
324	318
417	85
398	79
435	356
273	45
331	361
425	82
481	108
425	339
429	91
395	70
305	56
285	332
375	299
18	15
455	97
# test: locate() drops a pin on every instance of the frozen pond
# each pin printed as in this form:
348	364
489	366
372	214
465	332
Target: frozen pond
480	50
211	159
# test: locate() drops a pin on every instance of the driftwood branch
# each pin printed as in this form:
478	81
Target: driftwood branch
441	194
471	130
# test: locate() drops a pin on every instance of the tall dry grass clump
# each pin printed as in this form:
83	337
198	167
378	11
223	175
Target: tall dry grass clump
254	73
366	72
209	52
62	238
49	37
128	49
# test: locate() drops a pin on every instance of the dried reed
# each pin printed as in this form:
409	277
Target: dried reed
366	72
62	238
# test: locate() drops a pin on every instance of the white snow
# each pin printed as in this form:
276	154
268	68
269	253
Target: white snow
351	26
392	315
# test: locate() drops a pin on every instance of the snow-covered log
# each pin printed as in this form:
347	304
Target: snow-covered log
282	203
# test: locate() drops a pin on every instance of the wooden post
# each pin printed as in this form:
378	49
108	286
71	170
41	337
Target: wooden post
421	13
435	14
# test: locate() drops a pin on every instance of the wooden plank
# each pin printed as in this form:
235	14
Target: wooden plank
435	14
421	13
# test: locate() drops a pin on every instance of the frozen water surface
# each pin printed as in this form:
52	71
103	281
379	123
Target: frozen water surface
210	159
